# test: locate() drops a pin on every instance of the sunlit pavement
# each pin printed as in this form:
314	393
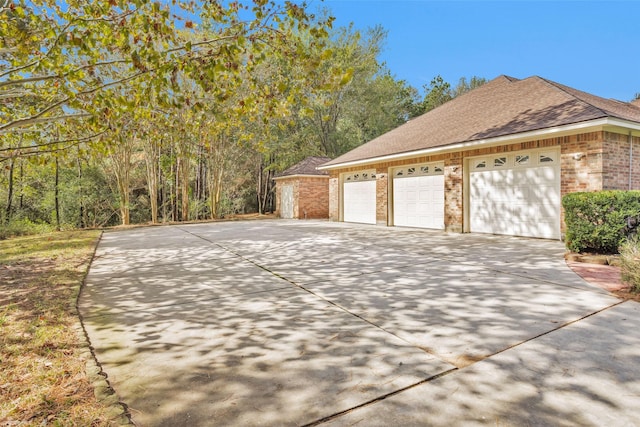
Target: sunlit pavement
298	322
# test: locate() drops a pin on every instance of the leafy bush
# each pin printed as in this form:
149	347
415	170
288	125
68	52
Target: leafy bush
24	227
600	221
630	262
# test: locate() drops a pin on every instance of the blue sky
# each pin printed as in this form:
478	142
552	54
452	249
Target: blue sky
591	46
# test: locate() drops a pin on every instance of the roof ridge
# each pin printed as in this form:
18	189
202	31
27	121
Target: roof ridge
562	87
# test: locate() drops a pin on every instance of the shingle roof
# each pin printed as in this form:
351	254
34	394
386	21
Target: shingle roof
503	106
306	167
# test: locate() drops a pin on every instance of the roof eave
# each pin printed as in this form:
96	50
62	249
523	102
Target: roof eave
300	176
547	132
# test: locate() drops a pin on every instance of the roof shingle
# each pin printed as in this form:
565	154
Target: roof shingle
306	167
503	106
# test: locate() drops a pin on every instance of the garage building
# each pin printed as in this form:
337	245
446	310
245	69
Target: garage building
495	160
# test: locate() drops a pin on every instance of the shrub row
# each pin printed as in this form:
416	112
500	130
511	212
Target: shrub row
600	221
23	227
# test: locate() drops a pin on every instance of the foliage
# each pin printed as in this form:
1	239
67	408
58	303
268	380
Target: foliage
65	67
439	91
23	227
600	221
129	112
630	262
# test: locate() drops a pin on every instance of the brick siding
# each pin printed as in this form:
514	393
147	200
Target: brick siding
589	161
310	196
313	198
334	199
617	162
382	200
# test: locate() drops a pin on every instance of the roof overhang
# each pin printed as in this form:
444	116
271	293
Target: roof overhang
300	176
608	124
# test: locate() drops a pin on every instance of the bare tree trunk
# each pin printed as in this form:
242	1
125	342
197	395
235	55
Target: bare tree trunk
57	194
10	191
82	223
184	188
121	158
152	162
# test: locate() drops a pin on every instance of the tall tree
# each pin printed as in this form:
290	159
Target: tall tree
436	93
439	91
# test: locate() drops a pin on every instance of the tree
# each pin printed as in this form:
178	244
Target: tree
439	91
463	86
63	61
436	93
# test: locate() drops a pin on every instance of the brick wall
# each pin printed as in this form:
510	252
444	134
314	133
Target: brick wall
581	161
313	198
617	157
334	199
453	193
382	199
310	196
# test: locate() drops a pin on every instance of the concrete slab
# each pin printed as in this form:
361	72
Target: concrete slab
276	358
585	374
291	322
461	313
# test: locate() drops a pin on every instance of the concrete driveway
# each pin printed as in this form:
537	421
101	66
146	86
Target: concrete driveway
301	322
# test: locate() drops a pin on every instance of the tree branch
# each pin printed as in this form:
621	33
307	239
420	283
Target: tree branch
75	141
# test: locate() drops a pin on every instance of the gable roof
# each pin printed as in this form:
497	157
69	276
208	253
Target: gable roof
306	167
504	106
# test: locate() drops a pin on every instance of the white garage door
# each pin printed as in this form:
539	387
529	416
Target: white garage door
286	204
360	197
418	196
516	194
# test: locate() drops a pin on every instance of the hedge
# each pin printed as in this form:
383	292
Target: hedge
600	221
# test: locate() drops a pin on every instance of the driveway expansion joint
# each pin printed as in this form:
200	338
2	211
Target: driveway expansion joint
353	348
378	399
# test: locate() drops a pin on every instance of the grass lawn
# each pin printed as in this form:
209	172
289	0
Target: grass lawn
43	355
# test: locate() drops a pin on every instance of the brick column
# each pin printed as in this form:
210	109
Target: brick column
334	199
453	207
382	199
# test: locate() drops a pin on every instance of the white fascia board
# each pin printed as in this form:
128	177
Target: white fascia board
301	176
542	133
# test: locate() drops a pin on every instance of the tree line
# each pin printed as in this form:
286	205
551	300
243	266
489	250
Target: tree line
131	112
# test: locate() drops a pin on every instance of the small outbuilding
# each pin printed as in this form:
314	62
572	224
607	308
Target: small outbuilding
302	191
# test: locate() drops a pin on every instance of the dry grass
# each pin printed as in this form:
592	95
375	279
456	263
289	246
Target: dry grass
43	379
630	263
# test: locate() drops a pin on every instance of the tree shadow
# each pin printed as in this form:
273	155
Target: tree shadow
284	323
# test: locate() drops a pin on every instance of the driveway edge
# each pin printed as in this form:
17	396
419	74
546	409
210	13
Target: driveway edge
117	412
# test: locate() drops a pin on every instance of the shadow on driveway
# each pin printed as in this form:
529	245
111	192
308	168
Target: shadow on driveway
290	323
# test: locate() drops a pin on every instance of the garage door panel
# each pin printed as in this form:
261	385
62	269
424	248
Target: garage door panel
360	202
419	201
520	198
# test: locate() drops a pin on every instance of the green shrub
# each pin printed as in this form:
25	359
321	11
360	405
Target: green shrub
24	227
630	262
600	221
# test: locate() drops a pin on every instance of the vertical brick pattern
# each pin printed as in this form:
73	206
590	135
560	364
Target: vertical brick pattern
334	199
382	198
453	196
618	155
